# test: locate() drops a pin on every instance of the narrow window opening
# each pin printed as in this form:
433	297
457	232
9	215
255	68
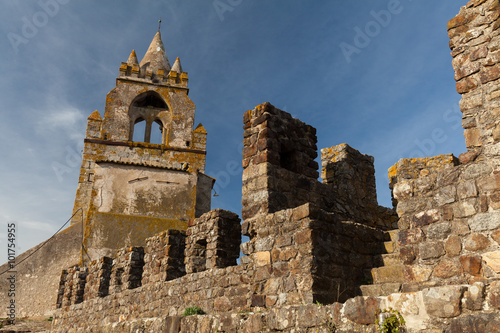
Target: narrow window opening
139	130
288	160
157	132
200	255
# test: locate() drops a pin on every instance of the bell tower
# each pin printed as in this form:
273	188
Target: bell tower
143	162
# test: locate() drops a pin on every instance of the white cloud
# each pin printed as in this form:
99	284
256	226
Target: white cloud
64	121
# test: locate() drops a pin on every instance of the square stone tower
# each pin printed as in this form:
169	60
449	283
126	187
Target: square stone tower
143	163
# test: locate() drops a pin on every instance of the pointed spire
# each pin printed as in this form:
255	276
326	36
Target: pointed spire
156	57
177	66
132	59
200	129
95	116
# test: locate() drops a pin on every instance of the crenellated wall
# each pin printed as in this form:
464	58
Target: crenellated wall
164	256
312	243
213	241
279	171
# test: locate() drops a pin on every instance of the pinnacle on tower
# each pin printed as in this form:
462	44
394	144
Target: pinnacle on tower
177	66
156	57
132	59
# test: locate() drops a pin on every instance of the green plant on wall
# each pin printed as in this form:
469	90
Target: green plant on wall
389	321
193	310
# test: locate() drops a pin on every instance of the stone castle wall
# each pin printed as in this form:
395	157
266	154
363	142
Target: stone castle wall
453	309
278	271
319	242
279	171
449	208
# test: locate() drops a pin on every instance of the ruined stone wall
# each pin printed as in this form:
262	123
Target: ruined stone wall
279	171
164	256
127	269
449	309
306	255
97	280
449	227
350	174
213	241
74	285
449	208
278	161
475	47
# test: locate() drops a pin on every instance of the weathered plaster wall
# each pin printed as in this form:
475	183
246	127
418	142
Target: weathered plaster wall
38	277
139	190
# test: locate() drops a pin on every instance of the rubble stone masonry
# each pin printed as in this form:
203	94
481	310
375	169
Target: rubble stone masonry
323	256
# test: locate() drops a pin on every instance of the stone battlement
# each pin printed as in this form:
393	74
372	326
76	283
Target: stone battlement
321	255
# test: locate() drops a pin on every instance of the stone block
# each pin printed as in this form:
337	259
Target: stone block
380	289
489	74
408	254
496	236
485	221
303	237
361	309
494	295
471	264
476	242
467	68
388	274
466	189
492	260
262	258
402	190
438	230
474	297
468	103
460	20
430	250
222	304
446	195
411	236
467	157
425	218
466	84
484	322
464	208
443	302
447	269
417	273
453	246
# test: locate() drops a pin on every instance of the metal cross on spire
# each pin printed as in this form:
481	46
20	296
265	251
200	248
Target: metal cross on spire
159	24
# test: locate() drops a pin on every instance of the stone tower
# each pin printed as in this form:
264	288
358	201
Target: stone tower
143	163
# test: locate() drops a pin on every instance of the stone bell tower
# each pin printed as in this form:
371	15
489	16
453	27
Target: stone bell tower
143	162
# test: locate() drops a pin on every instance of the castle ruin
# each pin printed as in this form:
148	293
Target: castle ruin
321	256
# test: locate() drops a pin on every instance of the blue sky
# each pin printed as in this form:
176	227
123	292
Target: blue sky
393	96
